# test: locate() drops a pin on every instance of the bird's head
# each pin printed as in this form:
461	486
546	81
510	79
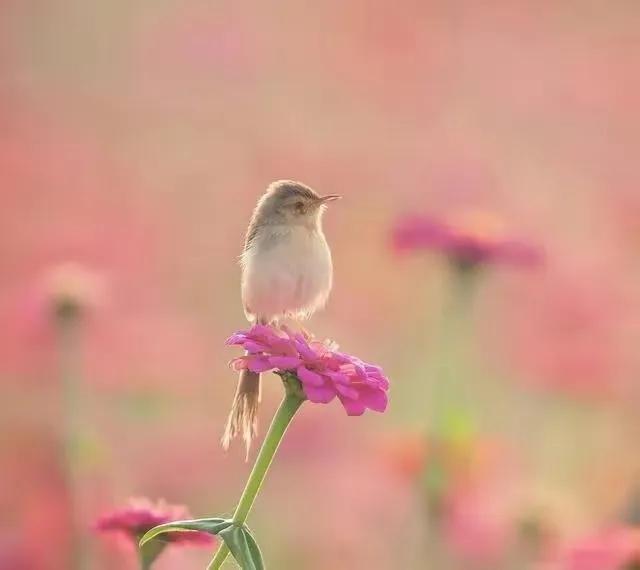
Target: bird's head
286	201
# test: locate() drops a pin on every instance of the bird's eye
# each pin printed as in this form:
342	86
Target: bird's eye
299	206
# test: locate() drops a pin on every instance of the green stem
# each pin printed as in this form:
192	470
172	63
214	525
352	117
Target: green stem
69	370
219	558
450	396
279	425
449	405
143	561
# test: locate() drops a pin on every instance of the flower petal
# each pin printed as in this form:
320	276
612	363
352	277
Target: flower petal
258	363
239	363
323	370
263	330
237	338
373	399
353	407
338	377
304	349
254	346
346	391
319	395
285	362
284	347
306	376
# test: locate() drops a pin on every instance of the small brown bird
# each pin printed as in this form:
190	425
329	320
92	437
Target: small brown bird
286	273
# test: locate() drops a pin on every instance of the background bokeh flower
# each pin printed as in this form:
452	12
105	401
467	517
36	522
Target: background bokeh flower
614	548
474	239
141	515
131	522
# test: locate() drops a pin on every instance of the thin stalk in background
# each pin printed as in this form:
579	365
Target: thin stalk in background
450	406
450	399
68	331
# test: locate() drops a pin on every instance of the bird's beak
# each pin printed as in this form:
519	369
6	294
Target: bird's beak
329	198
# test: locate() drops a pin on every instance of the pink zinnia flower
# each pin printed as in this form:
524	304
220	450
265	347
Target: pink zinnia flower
142	515
473	240
323	371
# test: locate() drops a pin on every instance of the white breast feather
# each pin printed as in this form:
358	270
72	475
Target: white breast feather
291	276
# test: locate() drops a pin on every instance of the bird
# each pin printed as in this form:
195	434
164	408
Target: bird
287	273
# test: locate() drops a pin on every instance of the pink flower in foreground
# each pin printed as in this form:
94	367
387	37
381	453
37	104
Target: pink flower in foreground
473	240
323	371
142	515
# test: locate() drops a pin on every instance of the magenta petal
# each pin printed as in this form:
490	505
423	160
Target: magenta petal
284	347
258	364
346	391
253	346
323	371
262	330
338	377
380	382
237	338
304	349
360	370
239	363
353	407
308	377
285	362
376	400
319	395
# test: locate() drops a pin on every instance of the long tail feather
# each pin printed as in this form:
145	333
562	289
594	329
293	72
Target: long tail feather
243	418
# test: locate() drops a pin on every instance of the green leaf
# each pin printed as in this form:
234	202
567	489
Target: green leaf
212	526
149	554
255	550
243	547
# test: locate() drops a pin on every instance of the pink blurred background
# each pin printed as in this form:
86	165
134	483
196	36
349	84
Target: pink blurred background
135	138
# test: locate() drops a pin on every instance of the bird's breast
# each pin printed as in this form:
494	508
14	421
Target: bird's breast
288	272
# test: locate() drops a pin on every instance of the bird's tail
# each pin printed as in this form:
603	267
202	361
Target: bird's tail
243	418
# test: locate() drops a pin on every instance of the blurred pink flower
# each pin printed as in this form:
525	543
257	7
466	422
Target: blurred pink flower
477	526
572	336
70	287
348	515
60	290
323	371
15	555
479	497
81	205
142	343
475	239
142	515
617	548
405	454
